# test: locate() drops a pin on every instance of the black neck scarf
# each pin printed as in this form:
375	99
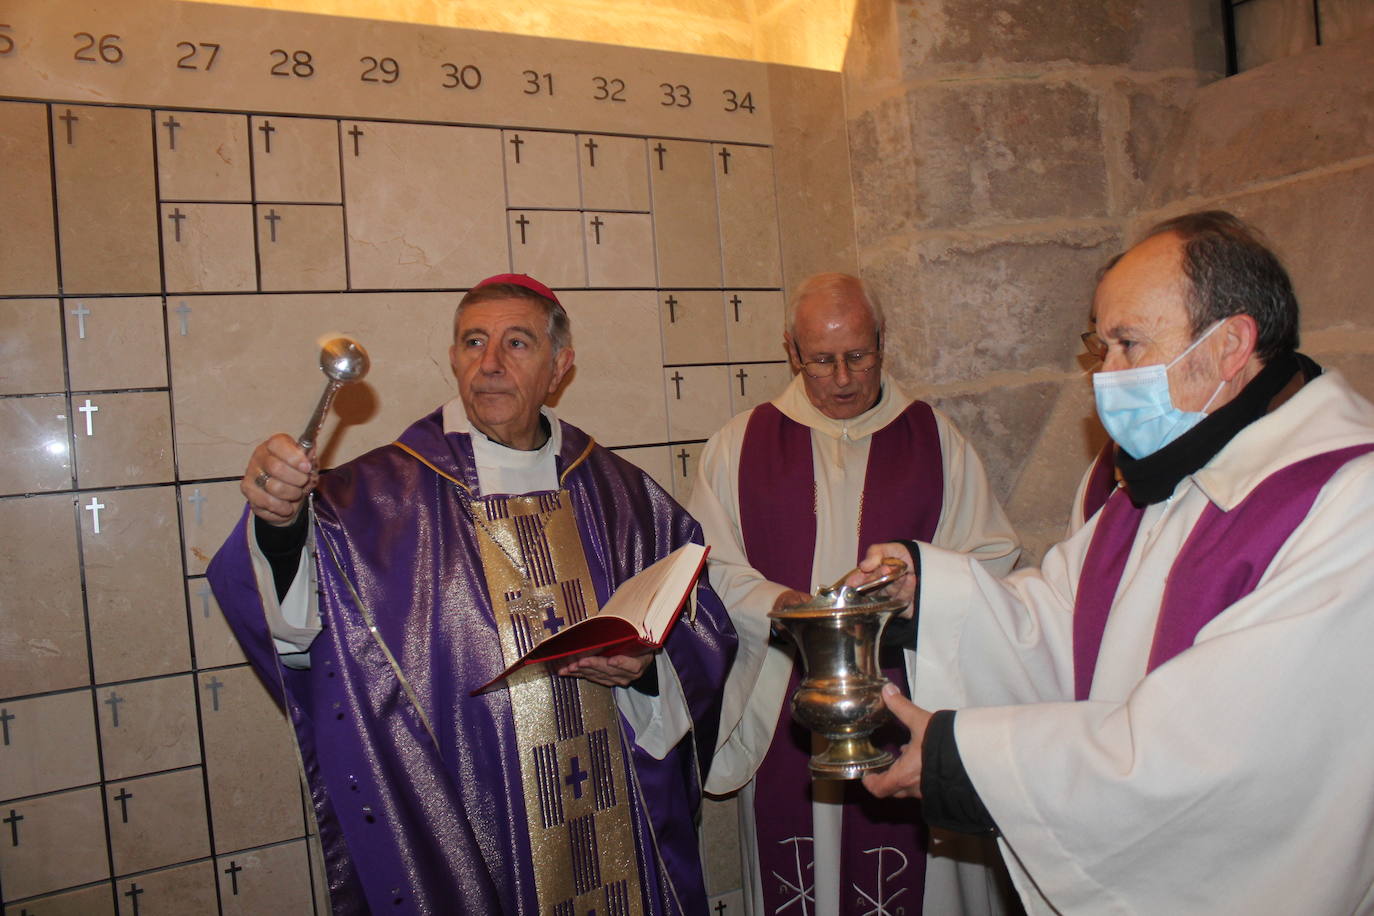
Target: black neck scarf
1153	478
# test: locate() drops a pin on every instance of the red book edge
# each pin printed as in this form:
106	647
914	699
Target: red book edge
619	633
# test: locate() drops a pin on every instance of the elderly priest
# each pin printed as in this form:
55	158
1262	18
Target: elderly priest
417	573
1171	714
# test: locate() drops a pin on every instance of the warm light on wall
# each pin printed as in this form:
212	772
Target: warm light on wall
803	33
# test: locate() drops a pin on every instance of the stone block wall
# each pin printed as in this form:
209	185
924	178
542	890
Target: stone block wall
1003	151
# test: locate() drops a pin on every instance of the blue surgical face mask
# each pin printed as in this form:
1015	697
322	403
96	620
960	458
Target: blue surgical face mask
1135	407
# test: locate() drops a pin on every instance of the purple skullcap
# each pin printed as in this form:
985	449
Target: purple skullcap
524	280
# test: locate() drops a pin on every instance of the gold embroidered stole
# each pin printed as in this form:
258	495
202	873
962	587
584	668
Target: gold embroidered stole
568	729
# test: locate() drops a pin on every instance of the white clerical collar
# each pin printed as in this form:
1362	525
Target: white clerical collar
501	469
794	404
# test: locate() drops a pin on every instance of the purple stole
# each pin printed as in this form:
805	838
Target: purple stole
1101	482
883	844
1221	562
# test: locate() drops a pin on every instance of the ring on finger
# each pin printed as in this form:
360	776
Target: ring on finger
261	480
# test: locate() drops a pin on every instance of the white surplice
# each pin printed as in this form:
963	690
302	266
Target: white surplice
1234	778
971	520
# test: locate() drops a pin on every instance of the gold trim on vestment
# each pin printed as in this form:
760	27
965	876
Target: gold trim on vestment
572	762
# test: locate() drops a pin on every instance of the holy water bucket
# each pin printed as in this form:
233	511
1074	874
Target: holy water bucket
840	695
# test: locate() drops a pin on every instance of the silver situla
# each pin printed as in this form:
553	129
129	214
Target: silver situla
342	361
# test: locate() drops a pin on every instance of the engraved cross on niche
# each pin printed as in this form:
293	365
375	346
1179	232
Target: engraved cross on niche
203	593
176	216
6	717
214	685
94	507
672	304
113	701
272	218
233	872
183	313
171	124
355	132
591	151
89	410
133	893
683	456
597	223
69	119
576	776
724	155
81	312
123	799
741	375
720	908
736	301
198	500
517	142
522	222
661	150
677	378
13	820
267	131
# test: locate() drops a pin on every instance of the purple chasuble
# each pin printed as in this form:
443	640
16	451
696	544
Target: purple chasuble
1223	559
416	783
883	843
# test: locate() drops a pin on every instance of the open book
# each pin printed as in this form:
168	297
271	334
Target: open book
638	616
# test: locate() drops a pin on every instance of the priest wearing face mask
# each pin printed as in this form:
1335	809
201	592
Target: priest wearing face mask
1170	715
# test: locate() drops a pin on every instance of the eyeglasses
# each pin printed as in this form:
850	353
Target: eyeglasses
824	366
1096	346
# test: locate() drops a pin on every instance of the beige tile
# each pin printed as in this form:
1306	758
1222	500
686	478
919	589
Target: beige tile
106	199
209	512
270	879
748	209
134	583
96	900
685	459
541	169
426	205
51	843
47	743
42	624
620	249
214	642
249	367
115	343
655	460
122	439
157	820
30	344
188	890
251	761
301	248
33	445
615	335
615	172
147	726
686	233
753	325
693	325
202	156
28	259
760	382
698	400
296	160
208	248
547	244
